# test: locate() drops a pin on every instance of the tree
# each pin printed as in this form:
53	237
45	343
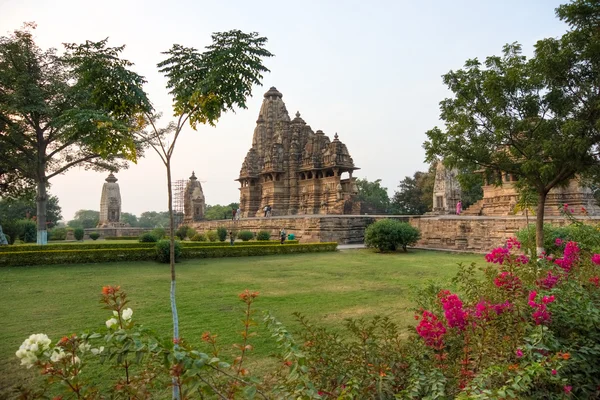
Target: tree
129	218
153	219
217	211
61	111
415	195
373	195
536	119
12	209
85	219
204	86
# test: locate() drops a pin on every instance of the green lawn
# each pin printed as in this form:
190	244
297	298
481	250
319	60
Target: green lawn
327	287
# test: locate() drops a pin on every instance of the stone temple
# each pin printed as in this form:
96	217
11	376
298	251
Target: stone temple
293	169
194	204
446	190
110	204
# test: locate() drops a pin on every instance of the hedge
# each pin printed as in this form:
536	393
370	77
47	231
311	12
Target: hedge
80	256
242	250
126	245
121	237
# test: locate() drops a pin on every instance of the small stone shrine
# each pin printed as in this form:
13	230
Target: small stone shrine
293	169
110	204
194	204
446	190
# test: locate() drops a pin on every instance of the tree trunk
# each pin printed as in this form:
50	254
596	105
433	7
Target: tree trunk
539	222
41	202
176	394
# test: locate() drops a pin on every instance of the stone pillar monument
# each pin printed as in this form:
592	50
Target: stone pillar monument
446	190
193	202
110	204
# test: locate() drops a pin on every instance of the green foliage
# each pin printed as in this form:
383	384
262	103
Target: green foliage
389	235
158	233
222	233
182	232
263	235
130	219
153	219
27	230
245	235
78	233
587	236
163	251
373	195
199	237
212	236
24	206
148	237
57	234
94	235
191	232
415	195
121	238
85	219
74	256
254	249
217	211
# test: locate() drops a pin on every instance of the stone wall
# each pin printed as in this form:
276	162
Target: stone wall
120	232
438	232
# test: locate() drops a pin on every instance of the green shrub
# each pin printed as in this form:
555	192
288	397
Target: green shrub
222	233
182	232
78	233
78	246
263	235
212	236
57	234
78	256
586	236
163	251
94	235
147	238
191	232
159	233
27	230
390	234
246	250
245	235
199	237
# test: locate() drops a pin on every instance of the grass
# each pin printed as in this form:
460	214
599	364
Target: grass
326	287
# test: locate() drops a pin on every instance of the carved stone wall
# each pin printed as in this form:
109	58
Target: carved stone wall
293	169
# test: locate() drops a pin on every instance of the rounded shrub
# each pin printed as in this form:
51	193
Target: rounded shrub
389	235
222	233
163	251
78	233
94	235
182	232
263	235
27	230
158	233
245	235
148	237
199	237
212	236
57	234
191	232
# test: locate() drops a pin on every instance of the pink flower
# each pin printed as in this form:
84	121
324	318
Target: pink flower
553	372
453	309
595	280
507	281
570	256
431	330
549	281
558	242
519	353
513	242
596	259
541	314
497	256
568	389
547	300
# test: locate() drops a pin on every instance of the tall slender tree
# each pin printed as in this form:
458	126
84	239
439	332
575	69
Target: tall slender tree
61	111
204	85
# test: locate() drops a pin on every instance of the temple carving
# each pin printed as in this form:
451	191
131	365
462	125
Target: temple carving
446	190
194	204
110	204
293	169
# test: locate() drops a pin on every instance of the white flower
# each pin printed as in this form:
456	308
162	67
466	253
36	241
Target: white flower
97	351
127	313
57	355
116	313
30	347
111	322
76	360
83	347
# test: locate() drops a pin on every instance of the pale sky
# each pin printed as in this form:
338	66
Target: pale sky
370	71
